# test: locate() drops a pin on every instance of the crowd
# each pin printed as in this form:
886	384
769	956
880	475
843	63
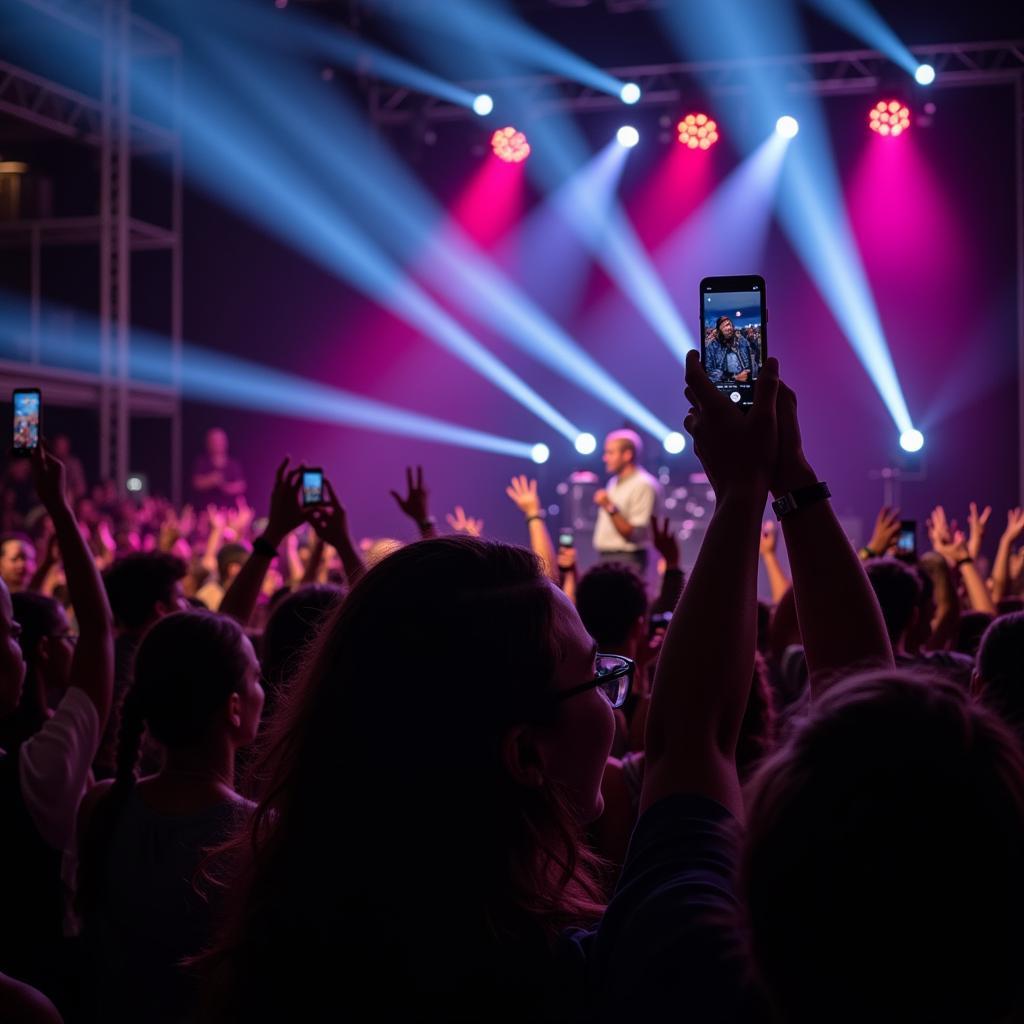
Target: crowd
255	770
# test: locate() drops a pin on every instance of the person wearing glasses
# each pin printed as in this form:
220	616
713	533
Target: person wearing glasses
420	845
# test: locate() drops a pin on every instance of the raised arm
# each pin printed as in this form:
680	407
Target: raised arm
330	520
777	579
952	545
840	621
416	503
887	529
523	493
663	538
92	666
1001	565
707	659
286	513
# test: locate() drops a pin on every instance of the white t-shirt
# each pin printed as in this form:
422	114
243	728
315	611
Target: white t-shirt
636	498
54	767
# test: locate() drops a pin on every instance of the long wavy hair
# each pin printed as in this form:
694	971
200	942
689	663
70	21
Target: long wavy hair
392	856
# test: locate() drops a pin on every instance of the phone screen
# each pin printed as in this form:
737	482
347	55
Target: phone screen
906	540
733	334
312	486
27	406
566	539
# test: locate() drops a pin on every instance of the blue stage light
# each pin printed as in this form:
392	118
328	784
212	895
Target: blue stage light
674	443
630	93
627	136
540	453
483	105
911	440
924	74
787	126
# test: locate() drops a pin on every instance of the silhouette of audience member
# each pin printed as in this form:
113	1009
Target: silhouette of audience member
43	776
197	693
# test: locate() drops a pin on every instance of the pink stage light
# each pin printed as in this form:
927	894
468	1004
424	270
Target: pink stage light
510	145
697	131
889	117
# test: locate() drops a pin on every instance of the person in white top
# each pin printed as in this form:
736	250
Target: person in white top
622	532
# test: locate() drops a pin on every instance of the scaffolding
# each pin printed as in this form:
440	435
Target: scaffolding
108	124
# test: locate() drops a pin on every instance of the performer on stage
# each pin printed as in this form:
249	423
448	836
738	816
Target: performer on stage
216	477
622	533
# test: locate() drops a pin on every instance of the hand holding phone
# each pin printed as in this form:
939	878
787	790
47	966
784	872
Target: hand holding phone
312	487
906	540
28	415
734	334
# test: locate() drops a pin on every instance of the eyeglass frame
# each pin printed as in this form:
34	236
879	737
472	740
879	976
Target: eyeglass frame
627	669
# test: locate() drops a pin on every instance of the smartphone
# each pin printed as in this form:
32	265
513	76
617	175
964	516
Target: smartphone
566	538
312	487
906	540
28	415
734	334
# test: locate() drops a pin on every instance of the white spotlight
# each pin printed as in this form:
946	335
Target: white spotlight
540	453
787	126
912	440
586	444
630	93
483	105
674	442
628	136
925	74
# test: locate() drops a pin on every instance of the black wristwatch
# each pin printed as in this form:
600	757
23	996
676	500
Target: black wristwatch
800	498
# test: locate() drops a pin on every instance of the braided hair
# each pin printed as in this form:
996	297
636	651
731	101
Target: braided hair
187	666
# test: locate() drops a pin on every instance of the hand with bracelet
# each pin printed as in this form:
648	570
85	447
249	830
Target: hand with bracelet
523	492
416	503
883	537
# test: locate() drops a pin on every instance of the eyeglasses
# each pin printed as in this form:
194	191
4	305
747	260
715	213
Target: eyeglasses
614	679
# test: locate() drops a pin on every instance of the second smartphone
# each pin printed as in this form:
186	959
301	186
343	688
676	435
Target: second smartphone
734	334
312	487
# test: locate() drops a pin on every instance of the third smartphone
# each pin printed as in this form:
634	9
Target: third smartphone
28	412
312	487
734	334
906	540
566	538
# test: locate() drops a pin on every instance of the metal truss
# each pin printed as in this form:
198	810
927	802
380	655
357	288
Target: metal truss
848	71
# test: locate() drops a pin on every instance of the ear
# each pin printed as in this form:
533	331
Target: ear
977	685
42	651
235	711
520	757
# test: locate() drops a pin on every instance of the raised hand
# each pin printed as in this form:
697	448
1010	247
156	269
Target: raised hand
286	509
887	528
416	503
524	493
241	517
952	545
769	539
49	478
976	523
1014	525
663	538
461	523
740	452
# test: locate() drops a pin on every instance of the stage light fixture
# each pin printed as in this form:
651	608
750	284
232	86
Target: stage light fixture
697	131
925	74
627	136
540	453
674	442
586	444
630	93
911	440
483	105
510	145
889	117
787	126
